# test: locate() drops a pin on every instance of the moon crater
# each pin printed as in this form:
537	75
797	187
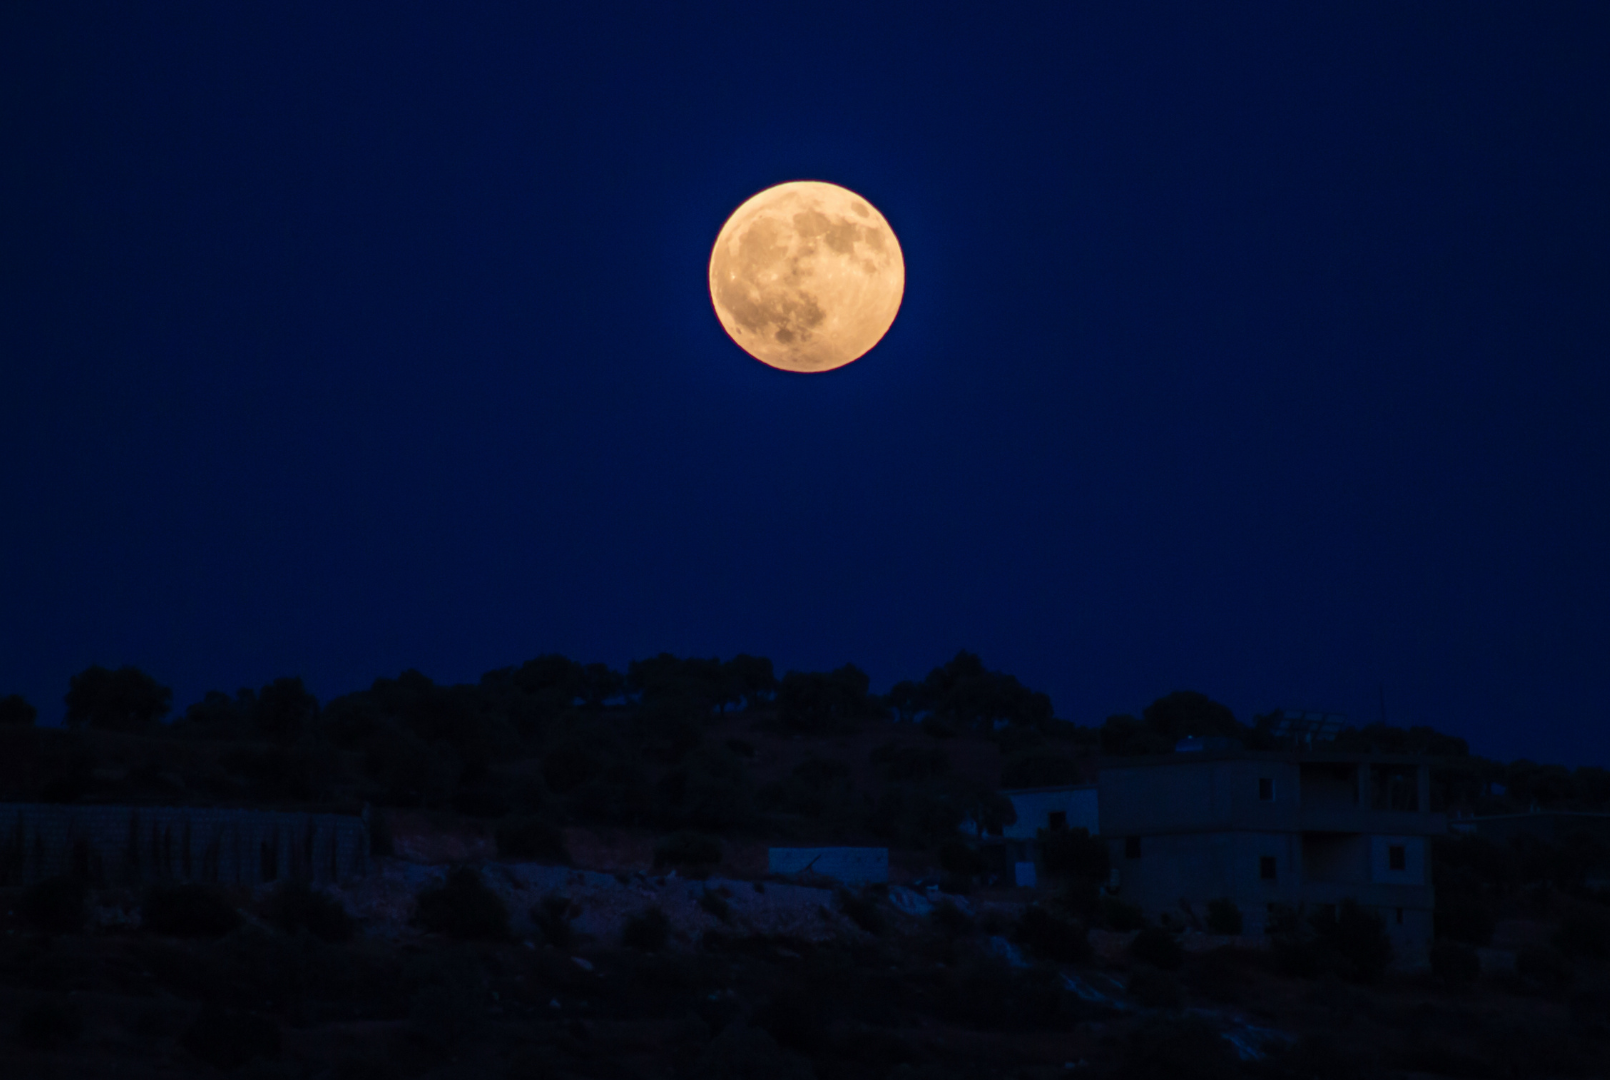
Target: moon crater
806	276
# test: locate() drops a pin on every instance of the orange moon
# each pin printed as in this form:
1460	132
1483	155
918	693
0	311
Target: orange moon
806	276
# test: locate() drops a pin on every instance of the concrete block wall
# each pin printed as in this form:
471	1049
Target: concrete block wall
851	865
139	845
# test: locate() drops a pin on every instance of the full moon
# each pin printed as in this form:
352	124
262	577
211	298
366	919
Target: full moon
806	276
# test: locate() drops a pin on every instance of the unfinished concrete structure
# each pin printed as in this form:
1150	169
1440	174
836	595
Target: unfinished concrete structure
137	845
1303	828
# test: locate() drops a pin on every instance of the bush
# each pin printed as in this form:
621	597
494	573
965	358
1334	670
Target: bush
1223	917
716	906
1544	966
1051	937
1073	853
1166	1048
1158	948
950	919
228	1039
647	931
295	905
959	858
1119	915
14	709
1455	963
1154	989
48	1023
552	919
862	910
1462	916
1357	942
54	905
462	907
531	838
690	849
1584	932
1282	919
188	911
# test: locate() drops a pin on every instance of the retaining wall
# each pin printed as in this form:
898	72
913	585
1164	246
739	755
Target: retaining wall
851	865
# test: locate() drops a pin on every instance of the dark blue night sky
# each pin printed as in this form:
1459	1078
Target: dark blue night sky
1252	349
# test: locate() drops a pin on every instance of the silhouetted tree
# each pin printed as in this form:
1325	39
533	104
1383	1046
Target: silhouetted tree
285	709
962	694
751	678
16	711
123	700
1182	714
817	703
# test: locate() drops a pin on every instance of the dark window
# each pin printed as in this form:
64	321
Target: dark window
1266	788
1266	867
1400	916
1131	847
1396	858
1058	819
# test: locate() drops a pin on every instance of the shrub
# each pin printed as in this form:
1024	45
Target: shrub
188	911
462	907
716	906
1544	966
687	848
1166	1048
1073	853
647	931
1462	916
1455	963
1585	932
1155	989
1158	948
295	905
862	910
950	919
1223	917
228	1039
49	1022
958	857
552	917
531	838
380	840
54	905
1052	937
1357	942
1282	919
1120	915
14	709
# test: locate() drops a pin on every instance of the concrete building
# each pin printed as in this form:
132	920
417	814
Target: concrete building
1274	827
137	845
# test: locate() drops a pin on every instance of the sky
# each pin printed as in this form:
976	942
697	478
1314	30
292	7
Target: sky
1254	349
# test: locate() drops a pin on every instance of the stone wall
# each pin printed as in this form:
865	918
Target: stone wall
138	845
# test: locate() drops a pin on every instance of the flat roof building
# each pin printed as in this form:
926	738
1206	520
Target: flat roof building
1262	828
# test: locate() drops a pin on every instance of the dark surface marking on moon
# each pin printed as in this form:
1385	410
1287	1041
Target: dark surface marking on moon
860	208
839	235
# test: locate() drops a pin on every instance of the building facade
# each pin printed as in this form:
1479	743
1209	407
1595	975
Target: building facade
138	845
1306	830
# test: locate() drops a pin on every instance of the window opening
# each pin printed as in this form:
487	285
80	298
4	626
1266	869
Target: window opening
1396	857
1131	847
1266	867
1266	788
1059	819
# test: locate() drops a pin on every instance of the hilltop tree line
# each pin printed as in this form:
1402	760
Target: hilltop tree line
631	747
